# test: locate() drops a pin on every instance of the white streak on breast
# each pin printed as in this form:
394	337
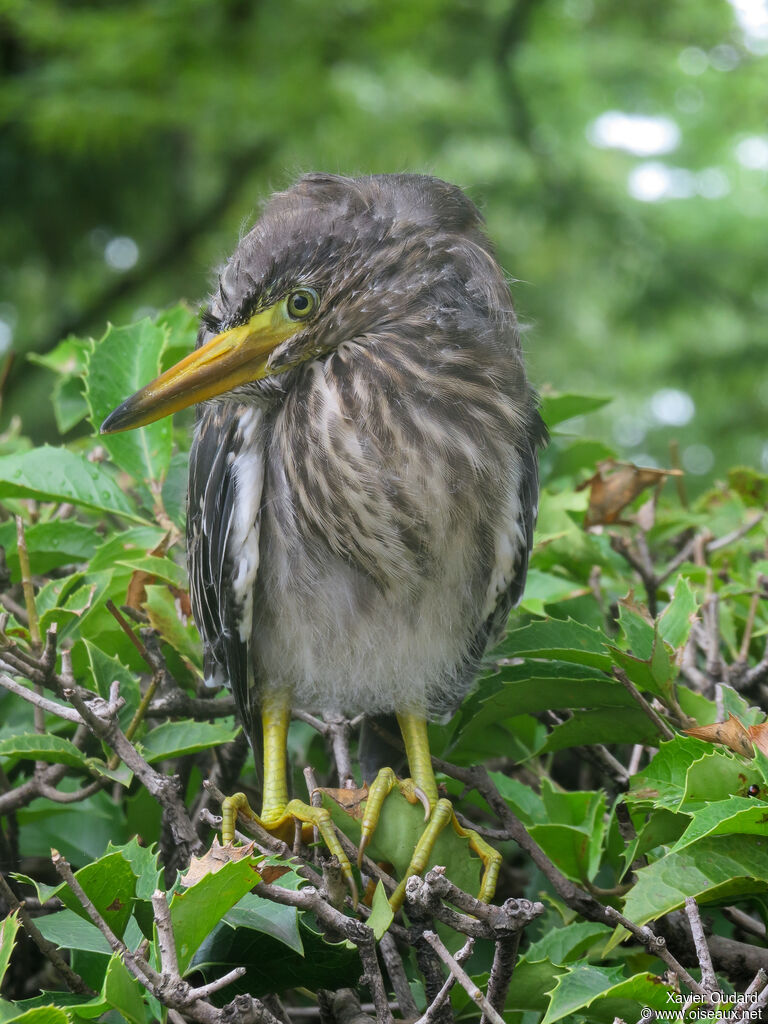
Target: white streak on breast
243	542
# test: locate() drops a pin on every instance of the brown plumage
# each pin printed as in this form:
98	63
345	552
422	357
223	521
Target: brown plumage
359	524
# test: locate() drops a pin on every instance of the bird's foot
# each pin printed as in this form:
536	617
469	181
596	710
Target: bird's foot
437	816
282	824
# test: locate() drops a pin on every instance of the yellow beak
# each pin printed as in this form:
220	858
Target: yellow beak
233	357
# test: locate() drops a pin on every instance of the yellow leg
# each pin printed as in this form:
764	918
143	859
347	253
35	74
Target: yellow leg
275	719
276	809
422	784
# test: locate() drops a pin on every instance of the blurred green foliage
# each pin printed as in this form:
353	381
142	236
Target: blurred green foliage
143	136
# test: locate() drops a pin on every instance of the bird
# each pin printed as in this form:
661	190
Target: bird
363	477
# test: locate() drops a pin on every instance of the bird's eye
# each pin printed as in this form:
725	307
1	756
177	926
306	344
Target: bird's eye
301	303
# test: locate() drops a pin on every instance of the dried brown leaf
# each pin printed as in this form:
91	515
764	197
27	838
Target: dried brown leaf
615	485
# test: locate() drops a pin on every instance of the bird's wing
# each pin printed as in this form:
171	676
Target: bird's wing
514	541
226	476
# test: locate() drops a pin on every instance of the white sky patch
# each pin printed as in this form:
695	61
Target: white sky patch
752	152
698	459
752	16
672	407
121	253
635	133
629	431
653	181
6	335
712	183
692	61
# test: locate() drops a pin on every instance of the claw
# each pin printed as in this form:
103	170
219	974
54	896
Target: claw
422	796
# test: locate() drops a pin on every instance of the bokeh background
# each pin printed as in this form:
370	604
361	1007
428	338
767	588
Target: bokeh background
619	152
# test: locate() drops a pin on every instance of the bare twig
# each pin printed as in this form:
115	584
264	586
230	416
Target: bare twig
40	702
734	535
27	586
745	921
101	718
657	945
396	971
645	707
434	1008
463	979
73	980
708	979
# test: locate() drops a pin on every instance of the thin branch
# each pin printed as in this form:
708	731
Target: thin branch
432	1012
643	704
43	703
708	979
397	976
101	718
734	535
658	945
27	586
138	966
463	979
50	951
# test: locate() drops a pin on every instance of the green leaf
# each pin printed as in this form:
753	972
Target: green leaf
45	824
174	739
107	670
110	884
50	545
717	775
68	358
70	931
42	1015
182	636
542	588
531	983
181	324
566	640
636	627
57	474
69	405
539	686
82	601
44	892
273	968
44	747
606	995
381	912
677	618
143	862
8	928
576	990
662	828
715	868
196	911
526	804
557	409
574	830
123	361
561	945
601	725
163	568
735	815
662	782
273	919
123	992
400	826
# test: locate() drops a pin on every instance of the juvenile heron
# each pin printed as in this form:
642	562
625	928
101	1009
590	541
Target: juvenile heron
363	479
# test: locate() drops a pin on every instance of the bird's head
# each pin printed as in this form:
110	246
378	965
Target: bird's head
331	259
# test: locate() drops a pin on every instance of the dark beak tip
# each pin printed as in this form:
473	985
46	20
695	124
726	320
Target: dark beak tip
111	424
